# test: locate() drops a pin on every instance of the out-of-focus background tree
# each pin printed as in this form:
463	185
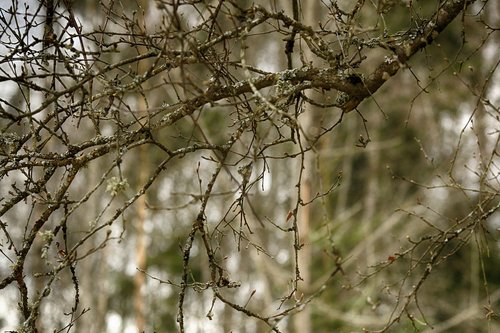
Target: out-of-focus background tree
249	166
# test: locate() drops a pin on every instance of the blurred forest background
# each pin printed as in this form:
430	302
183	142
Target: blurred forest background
249	166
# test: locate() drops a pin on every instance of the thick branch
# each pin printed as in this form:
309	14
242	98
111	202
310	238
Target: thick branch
329	78
407	48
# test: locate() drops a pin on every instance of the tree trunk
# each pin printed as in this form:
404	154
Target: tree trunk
302	320
141	207
140	248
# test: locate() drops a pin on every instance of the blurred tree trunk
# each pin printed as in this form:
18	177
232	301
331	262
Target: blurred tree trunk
482	132
94	269
342	208
303	318
141	205
371	196
102	294
140	245
310	121
98	300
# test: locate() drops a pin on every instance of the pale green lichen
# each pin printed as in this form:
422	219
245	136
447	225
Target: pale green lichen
47	236
283	85
116	185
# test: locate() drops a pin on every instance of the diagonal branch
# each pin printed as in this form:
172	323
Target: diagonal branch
330	78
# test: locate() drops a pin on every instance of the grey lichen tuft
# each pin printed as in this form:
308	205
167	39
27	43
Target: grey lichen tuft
116	185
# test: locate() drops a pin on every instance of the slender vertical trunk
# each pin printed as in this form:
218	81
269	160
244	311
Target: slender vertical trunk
347	160
303	319
481	127
102	296
141	208
94	295
371	198
140	248
302	322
